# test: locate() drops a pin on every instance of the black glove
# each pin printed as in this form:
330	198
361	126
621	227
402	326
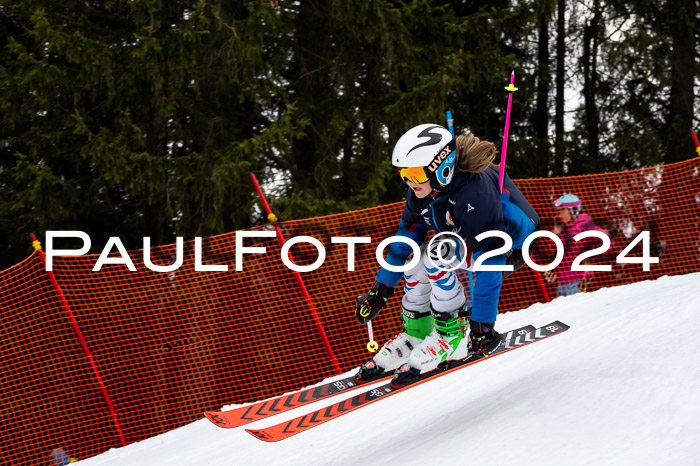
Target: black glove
369	304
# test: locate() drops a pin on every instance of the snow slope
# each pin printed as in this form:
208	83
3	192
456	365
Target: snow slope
621	387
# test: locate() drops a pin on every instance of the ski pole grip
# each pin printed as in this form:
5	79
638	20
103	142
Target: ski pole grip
372	346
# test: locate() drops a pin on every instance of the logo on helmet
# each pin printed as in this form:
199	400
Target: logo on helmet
435	164
445	169
434	138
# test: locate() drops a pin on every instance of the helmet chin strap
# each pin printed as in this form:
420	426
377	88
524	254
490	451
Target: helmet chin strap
436	189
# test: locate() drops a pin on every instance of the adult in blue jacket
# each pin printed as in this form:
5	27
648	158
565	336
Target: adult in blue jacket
453	187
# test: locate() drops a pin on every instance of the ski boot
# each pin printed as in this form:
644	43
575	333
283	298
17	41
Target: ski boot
485	340
416	326
446	343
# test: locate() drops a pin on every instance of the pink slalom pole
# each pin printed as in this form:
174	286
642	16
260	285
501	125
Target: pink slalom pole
511	88
300	282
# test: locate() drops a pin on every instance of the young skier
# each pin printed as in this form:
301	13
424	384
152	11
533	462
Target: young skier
569	221
453	186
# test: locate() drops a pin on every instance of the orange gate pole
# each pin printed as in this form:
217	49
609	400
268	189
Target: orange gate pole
543	287
695	140
81	338
297	276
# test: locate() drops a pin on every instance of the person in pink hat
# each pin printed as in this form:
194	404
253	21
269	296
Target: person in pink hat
569	221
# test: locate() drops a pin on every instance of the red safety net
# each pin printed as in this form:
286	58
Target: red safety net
162	347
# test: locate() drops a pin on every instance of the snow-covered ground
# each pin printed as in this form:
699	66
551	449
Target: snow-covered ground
621	387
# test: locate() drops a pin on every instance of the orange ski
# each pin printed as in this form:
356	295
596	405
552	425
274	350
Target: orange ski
513	339
240	416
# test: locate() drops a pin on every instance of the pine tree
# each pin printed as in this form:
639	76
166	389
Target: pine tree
137	118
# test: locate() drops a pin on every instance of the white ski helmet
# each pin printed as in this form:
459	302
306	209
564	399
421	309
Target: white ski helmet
425	153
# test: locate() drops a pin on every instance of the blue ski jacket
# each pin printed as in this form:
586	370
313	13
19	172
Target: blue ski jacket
470	205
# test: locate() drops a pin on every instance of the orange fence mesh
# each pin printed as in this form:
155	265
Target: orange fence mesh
170	345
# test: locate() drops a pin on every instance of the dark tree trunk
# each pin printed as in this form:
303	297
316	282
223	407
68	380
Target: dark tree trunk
559	102
541	114
590	84
682	16
312	86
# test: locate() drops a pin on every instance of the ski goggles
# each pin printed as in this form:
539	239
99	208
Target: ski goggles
566	203
416	175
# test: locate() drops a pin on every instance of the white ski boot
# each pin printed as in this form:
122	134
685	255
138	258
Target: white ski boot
395	352
447	342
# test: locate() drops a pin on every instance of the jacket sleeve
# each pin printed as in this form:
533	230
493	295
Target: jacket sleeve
592	243
566	237
410	226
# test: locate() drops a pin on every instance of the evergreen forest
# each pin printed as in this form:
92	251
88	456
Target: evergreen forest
136	118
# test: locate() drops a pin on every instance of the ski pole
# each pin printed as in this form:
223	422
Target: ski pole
695	140
511	88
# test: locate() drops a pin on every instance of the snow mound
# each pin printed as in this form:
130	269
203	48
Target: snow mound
621	387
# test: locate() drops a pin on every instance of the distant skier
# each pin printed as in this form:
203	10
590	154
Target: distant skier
569	221
453	186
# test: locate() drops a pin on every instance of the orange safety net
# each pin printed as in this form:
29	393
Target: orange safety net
168	346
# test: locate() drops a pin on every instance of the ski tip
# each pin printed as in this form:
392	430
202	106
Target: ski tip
561	325
217	419
262	435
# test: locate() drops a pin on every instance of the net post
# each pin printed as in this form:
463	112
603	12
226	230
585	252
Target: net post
83	343
300	281
541	285
695	140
